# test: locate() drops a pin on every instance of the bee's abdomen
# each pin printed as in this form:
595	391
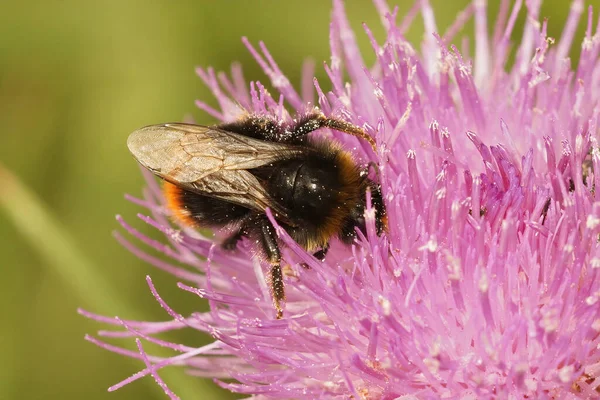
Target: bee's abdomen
196	210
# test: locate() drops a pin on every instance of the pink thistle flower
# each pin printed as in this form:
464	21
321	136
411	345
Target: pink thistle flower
486	284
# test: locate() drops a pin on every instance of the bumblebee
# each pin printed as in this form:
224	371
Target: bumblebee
228	175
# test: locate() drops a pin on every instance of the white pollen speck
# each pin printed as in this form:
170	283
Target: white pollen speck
410	154
430	246
550	320
432	365
330	385
591	300
386	305
484	282
370	214
454	269
592	222
595	262
565	374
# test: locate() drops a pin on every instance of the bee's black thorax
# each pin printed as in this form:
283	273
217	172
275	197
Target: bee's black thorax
308	188
318	188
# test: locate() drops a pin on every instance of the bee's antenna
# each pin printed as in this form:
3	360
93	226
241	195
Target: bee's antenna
347	127
375	167
372	165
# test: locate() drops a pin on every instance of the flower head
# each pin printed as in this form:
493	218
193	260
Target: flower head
486	284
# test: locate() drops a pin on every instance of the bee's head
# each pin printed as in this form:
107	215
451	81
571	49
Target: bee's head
356	218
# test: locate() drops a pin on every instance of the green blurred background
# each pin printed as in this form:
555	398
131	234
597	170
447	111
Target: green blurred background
75	78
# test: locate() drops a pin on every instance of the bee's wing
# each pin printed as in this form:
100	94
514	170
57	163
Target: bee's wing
209	161
239	187
187	153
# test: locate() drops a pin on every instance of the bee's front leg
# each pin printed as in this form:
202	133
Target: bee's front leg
319	255
271	249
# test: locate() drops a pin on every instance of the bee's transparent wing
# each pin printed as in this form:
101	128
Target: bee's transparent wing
210	161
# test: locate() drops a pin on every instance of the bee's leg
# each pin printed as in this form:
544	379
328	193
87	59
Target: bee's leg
319	255
271	249
231	242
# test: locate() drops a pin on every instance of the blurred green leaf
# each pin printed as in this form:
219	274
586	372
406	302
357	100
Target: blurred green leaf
59	249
